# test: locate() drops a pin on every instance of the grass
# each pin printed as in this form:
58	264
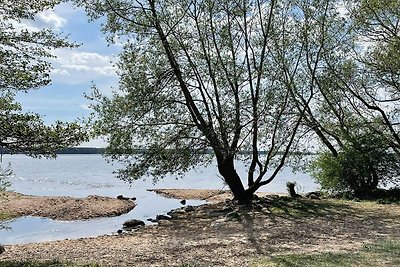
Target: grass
53	263
382	253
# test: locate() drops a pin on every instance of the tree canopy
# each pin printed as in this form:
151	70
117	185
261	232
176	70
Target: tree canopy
24	66
247	79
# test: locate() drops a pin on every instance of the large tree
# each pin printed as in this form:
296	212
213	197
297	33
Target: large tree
24	66
355	112
199	75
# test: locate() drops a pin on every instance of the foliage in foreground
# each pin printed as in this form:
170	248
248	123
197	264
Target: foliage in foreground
53	263
382	253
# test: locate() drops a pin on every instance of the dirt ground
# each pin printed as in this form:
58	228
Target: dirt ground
220	234
63	208
211	196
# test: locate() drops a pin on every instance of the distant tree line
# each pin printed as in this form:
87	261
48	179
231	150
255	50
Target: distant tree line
69	150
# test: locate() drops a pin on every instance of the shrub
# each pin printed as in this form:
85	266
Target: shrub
362	164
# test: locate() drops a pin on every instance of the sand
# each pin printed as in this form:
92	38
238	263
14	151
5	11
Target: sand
62	208
206	237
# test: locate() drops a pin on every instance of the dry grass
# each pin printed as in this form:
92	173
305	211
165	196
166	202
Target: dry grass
378	254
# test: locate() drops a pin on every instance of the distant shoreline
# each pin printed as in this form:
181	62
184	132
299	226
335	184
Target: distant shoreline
70	150
101	150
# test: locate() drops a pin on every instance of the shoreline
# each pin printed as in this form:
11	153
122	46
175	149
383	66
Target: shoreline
273	225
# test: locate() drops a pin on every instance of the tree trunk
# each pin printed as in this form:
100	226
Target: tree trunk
226	168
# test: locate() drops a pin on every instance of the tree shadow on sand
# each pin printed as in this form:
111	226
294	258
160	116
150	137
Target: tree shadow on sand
283	223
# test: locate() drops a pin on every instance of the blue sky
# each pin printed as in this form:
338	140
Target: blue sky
74	69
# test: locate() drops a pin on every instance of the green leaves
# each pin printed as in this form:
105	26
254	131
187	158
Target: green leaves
363	163
24	66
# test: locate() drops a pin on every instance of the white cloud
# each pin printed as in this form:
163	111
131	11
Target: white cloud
98	142
51	19
82	66
45	19
85	107
61	72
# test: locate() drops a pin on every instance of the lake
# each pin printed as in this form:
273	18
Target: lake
83	175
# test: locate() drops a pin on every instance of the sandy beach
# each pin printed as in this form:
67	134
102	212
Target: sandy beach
221	234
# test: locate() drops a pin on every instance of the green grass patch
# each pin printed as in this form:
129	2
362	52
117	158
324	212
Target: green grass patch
383	253
54	263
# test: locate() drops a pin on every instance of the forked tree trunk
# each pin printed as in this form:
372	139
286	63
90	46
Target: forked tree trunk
227	169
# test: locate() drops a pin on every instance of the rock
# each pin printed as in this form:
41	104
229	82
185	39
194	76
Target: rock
313	195
2	249
165	222
183	202
257	207
188	208
245	207
227	208
265	210
233	215
119	231
162	217
121	197
216	213
177	212
132	224
217	223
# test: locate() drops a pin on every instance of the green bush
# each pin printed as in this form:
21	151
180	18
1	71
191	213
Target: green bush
361	165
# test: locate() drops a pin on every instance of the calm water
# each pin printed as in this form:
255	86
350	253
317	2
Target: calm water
83	175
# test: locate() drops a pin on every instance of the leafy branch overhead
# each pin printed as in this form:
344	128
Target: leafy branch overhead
24	65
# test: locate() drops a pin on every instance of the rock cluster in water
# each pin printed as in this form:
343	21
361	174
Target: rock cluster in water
132	225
